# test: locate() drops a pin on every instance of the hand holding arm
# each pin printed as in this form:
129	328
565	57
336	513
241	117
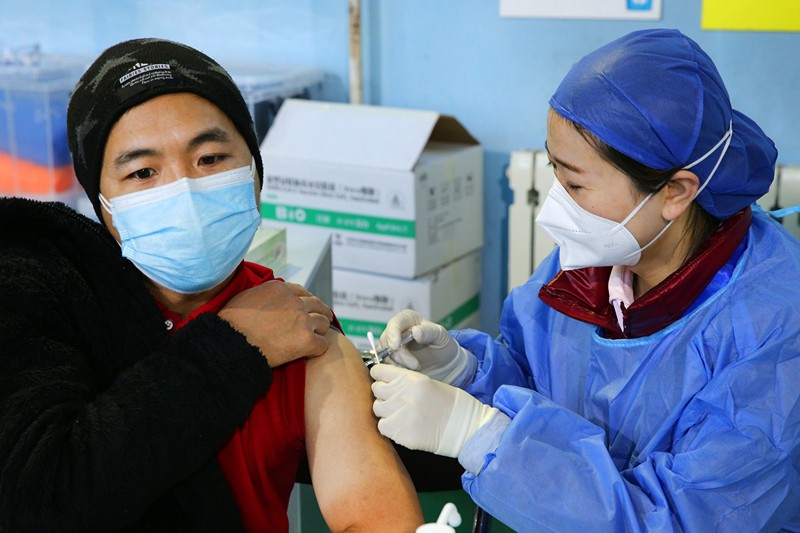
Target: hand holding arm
433	351
283	320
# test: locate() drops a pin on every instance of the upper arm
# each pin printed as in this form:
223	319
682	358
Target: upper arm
358	479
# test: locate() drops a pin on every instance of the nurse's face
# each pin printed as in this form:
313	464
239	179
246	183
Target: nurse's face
597	185
165	139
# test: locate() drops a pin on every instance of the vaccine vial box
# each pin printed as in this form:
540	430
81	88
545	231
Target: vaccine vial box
34	156
400	191
268	247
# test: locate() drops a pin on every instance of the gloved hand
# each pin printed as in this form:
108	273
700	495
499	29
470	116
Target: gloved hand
420	413
433	351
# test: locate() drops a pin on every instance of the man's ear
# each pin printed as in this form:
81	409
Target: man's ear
679	193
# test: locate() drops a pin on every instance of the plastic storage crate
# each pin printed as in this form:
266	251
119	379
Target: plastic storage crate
265	87
34	156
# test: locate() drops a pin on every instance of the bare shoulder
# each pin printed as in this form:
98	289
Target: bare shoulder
359	481
338	391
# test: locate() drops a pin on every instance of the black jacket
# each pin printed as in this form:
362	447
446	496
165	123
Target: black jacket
106	421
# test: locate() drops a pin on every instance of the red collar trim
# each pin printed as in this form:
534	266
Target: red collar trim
583	293
247	276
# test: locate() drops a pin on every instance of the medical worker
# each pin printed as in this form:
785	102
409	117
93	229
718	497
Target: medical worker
647	376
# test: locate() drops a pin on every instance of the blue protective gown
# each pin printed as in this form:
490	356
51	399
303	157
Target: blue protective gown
693	428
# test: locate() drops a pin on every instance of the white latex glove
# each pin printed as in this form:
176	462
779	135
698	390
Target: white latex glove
420	413
433	352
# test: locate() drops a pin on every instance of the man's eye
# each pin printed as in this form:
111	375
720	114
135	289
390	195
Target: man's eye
143	173
551	165
573	187
211	159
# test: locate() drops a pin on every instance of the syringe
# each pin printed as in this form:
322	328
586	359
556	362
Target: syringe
373	358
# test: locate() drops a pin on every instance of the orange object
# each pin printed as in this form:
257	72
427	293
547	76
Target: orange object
6	175
18	176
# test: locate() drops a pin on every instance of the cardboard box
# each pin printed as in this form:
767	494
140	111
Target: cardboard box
268	247
308	262
449	296
400	191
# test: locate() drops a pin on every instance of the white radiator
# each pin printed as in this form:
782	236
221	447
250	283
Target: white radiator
530	179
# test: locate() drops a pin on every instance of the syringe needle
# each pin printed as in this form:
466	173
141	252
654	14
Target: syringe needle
371	339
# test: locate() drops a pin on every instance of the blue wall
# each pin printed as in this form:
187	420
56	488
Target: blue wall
454	56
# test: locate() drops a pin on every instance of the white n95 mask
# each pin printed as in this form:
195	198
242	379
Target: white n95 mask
191	234
588	240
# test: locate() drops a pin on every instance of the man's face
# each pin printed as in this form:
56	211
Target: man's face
165	139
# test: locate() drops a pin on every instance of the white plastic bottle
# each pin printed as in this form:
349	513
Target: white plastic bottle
447	521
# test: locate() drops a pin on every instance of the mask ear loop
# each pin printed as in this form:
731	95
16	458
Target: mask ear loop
105	203
633	213
726	139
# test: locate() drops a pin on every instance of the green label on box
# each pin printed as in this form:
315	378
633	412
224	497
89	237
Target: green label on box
359	328
333	219
461	312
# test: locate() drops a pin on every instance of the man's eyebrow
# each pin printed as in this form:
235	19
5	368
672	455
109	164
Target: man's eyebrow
209	135
571	168
130	155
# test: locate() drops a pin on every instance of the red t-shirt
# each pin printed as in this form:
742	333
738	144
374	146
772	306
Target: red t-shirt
261	459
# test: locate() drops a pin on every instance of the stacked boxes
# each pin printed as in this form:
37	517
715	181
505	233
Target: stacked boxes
34	156
401	194
365	301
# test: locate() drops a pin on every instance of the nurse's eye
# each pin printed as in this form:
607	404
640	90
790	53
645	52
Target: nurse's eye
142	174
211	160
551	165
573	187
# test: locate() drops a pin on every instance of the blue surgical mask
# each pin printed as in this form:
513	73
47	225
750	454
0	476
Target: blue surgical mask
189	235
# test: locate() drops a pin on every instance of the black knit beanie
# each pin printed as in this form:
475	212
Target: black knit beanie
130	73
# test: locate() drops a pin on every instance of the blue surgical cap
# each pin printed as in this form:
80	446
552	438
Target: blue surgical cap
656	96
